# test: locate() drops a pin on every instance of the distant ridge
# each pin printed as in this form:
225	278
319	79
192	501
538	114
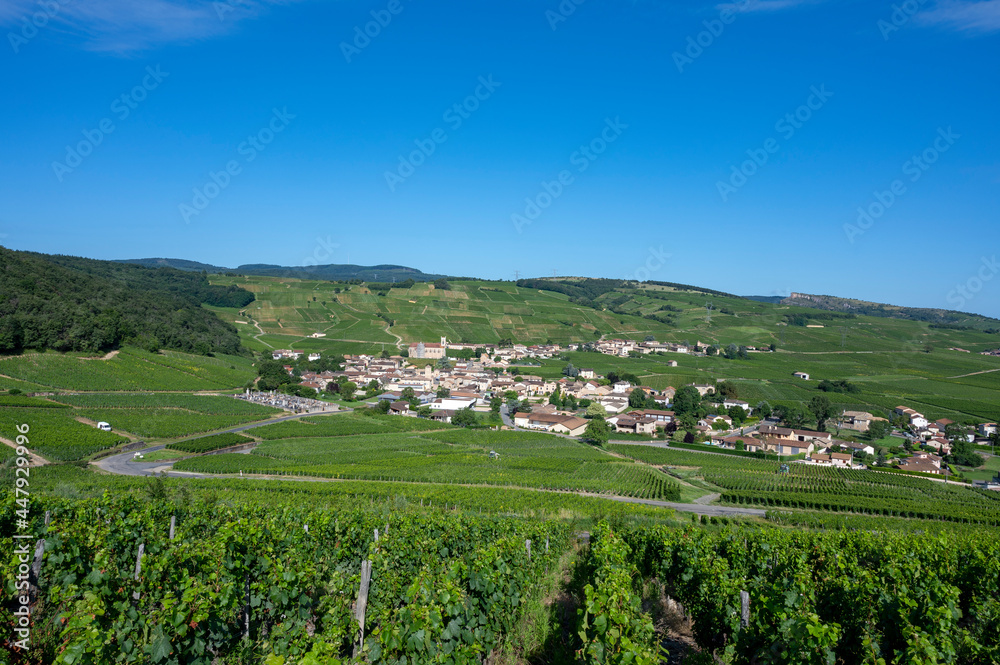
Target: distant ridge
944	317
178	264
332	272
578	287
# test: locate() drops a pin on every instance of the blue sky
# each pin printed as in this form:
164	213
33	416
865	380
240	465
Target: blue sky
729	146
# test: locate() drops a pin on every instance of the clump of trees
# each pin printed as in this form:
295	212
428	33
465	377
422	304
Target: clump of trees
964	452
839	386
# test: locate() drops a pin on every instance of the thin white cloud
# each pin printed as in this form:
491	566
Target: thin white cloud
746	6
963	15
131	25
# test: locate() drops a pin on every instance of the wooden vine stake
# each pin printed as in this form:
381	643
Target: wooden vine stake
744	609
138	568
527	546
173	525
246	610
36	567
362	604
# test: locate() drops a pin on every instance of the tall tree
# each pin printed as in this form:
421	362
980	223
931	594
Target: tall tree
879	429
465	418
555	399
686	401
637	399
738	414
792	415
598	431
822	409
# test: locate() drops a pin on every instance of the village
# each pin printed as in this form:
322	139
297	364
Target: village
497	382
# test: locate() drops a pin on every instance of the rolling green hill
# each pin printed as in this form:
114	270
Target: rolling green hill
287	311
937	316
892	361
68	303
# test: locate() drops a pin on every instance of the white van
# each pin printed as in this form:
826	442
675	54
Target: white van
104	426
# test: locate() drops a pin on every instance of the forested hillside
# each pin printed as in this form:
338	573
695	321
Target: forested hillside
332	271
74	304
941	317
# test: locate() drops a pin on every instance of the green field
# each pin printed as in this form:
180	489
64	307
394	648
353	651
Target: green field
54	434
759	482
167	415
929	382
452	457
344	425
127	370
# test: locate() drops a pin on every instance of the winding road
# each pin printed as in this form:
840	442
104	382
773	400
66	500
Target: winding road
123	465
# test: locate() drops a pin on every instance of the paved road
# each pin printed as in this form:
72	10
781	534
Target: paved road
124	466
716	511
505	417
707	499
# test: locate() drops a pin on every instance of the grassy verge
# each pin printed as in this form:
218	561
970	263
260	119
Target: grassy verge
546	631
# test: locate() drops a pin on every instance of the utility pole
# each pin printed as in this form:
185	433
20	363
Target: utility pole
517	275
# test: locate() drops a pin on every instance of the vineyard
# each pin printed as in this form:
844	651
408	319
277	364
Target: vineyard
346	424
56	435
769	596
132	581
167	415
758	482
209	443
349	494
129	370
23	401
269	572
450	457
